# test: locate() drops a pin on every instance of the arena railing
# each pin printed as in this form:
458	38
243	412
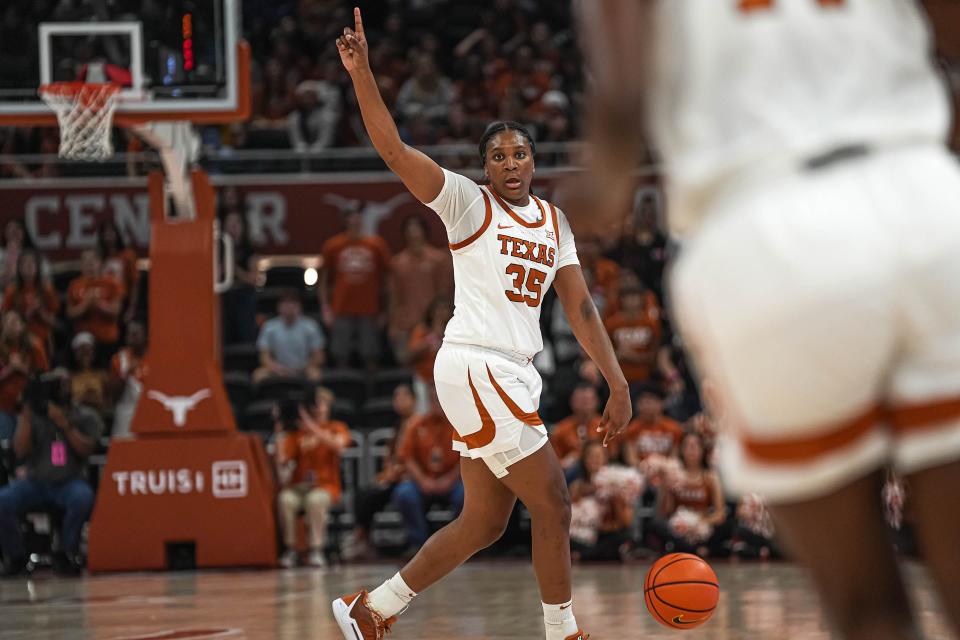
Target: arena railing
264	161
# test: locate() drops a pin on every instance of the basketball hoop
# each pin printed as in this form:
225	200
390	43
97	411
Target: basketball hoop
85	113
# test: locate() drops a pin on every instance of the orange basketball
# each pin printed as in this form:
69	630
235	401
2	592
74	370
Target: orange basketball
681	591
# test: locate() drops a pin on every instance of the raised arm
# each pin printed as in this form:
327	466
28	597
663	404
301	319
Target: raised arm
421	175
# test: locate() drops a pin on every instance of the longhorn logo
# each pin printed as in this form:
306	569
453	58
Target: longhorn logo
179	405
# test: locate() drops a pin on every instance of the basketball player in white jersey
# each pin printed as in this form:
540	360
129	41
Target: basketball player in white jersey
508	248
803	144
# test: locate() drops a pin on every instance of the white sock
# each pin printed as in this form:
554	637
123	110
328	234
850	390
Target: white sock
559	621
392	597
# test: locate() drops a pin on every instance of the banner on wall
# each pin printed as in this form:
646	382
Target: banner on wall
286	214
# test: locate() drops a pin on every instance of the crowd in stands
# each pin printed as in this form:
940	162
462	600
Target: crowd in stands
506	59
63	378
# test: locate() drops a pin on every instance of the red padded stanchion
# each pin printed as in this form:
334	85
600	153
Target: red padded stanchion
187	476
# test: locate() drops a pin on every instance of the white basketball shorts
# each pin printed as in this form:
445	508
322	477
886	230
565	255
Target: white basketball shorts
825	305
491	398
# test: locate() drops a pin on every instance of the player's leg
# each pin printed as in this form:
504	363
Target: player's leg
538	482
487	505
933	495
486	511
924	391
799	330
851	559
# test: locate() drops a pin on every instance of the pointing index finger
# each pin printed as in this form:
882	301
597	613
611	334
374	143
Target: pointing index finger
358	21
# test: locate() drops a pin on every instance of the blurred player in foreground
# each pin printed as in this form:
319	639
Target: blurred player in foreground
809	180
508	248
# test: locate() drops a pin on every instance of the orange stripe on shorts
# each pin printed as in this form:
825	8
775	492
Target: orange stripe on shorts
532	418
803	449
488	430
924	416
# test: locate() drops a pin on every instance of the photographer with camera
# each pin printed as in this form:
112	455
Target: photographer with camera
307	455
54	439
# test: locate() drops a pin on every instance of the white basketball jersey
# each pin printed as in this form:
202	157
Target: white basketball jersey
745	85
505	258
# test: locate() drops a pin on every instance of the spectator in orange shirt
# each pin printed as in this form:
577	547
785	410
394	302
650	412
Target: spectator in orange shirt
94	301
120	262
126	375
418	274
570	434
434	470
425	342
33	297
691	512
308	446
651	432
21	355
636	333
351	292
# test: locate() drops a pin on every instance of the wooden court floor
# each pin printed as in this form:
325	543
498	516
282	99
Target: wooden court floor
481	601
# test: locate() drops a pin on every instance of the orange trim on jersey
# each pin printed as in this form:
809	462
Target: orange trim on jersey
488	430
532	418
556	227
487	217
516	217
924	416
802	449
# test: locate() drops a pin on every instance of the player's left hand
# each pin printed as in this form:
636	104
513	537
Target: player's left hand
352	45
616	415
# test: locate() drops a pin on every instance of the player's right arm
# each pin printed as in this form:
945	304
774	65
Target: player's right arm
421	175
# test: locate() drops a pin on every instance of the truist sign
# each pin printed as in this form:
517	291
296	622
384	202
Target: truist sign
205	489
227	479
158	482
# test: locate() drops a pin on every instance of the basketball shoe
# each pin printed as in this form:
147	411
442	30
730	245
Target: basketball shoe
358	621
579	635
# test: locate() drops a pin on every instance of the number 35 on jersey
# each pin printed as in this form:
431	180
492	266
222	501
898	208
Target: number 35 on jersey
527	280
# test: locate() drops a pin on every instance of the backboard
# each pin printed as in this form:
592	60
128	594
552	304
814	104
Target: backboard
175	59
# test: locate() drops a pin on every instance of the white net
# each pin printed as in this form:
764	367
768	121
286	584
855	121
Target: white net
85	114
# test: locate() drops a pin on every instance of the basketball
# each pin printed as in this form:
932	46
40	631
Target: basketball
681	591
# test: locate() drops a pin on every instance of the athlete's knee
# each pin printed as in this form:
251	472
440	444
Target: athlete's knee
552	506
482	532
